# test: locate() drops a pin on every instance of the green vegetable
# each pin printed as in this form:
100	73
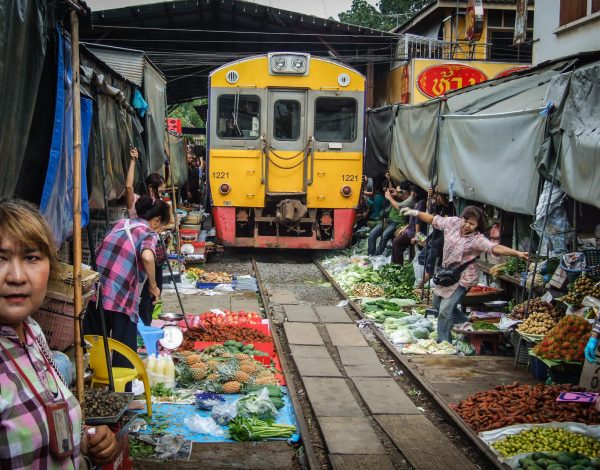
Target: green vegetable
254	429
160	390
139	449
274	390
277	402
484	325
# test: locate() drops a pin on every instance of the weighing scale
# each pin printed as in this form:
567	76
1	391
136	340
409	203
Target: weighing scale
173	334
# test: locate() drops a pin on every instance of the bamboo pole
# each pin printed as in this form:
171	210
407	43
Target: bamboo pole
78	297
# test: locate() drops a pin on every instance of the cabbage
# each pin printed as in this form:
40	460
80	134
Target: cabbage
420	333
410	319
403	302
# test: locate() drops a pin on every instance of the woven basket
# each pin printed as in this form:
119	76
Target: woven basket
592	263
57	321
63	283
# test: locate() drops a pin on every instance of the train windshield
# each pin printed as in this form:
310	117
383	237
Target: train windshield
335	119
238	116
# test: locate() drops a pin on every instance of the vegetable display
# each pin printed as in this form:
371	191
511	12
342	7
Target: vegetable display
513	404
230	318
481	290
549	439
537	324
566	341
483	326
220	333
398	280
510	268
254	429
193	274
215	277
555	460
367	289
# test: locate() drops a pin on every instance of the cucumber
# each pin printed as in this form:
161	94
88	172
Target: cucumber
230	342
277	402
239	345
394	314
249	346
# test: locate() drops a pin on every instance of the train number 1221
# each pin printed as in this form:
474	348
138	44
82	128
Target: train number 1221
349	177
220	175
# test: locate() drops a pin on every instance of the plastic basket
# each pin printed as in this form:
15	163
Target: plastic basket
63	283
526	346
57	321
592	269
538	368
565	373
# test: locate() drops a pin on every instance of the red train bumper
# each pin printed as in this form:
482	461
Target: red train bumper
343	224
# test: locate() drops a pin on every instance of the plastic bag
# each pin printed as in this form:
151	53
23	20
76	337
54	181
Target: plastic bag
259	406
203	426
225	412
207	400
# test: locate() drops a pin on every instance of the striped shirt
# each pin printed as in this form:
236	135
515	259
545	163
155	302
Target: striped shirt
459	249
121	267
24	433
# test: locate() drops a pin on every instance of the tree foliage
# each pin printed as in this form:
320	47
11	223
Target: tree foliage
188	115
387	15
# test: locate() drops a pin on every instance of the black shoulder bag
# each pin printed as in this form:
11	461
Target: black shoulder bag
449	276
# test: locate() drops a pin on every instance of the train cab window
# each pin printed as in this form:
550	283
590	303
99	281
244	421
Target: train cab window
238	117
286	120
335	119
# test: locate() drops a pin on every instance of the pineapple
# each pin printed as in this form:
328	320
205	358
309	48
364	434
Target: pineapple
198	373
249	367
193	358
212	364
227	355
264	373
242	377
186	353
213	377
242	357
232	387
228	370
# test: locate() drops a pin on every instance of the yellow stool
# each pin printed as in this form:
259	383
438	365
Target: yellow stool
121	375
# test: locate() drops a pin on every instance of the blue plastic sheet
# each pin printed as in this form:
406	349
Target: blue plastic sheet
173	415
57	198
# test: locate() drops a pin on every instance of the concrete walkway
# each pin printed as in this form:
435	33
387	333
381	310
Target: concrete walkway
354	398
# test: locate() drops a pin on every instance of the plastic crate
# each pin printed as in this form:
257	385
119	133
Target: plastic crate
538	368
565	373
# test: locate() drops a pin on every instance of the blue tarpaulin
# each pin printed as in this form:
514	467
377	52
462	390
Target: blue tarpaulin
170	416
57	198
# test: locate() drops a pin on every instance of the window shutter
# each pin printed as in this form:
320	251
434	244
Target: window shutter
571	10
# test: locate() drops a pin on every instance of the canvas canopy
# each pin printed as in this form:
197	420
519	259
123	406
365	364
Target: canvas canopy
491	143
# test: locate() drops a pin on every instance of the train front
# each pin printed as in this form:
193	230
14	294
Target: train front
285	151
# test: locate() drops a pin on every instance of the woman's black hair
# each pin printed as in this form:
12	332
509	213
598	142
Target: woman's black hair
154	181
476	213
147	208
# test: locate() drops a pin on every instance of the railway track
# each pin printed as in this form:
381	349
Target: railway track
291	289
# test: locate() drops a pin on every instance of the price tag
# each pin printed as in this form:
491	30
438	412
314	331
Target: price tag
547	297
578	397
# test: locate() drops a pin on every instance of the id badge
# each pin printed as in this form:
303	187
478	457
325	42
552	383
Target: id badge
61	436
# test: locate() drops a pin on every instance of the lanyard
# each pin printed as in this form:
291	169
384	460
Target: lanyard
22	374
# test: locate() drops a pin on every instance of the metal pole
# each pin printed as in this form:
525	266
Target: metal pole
100	311
77	290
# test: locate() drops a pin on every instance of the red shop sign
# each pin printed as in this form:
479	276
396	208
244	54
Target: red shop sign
174	125
438	80
507	72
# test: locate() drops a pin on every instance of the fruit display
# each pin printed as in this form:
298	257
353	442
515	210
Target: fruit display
215	277
540	439
580	288
506	405
230	318
193	274
220	333
537	324
101	403
217	370
367	289
566	341
535	306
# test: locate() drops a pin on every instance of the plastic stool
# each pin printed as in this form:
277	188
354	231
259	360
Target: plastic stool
150	335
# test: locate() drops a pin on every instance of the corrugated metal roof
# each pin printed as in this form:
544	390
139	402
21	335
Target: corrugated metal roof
127	62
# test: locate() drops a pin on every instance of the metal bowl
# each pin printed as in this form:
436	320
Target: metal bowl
170	316
496	303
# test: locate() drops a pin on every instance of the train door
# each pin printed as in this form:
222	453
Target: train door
287	143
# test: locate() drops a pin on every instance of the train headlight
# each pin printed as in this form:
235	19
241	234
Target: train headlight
224	188
288	63
346	191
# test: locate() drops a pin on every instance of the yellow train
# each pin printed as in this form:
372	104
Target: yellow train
285	151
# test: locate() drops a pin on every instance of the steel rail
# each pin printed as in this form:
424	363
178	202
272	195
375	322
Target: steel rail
309	451
439	401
